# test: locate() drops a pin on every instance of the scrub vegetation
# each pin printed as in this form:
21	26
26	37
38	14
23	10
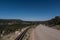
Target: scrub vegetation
54	22
11	25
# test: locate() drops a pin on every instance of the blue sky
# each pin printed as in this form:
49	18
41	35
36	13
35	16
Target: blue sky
29	9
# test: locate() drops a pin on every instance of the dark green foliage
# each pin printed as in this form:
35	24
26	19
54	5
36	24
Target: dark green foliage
12	25
53	22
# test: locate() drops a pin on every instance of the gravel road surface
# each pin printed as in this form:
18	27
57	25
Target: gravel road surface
42	32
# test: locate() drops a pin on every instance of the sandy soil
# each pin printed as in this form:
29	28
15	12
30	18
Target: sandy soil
43	32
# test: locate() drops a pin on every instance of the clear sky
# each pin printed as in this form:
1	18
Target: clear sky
29	9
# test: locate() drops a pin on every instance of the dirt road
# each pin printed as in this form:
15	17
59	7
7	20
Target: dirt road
42	32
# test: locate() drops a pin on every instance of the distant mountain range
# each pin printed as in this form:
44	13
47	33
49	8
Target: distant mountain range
53	21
